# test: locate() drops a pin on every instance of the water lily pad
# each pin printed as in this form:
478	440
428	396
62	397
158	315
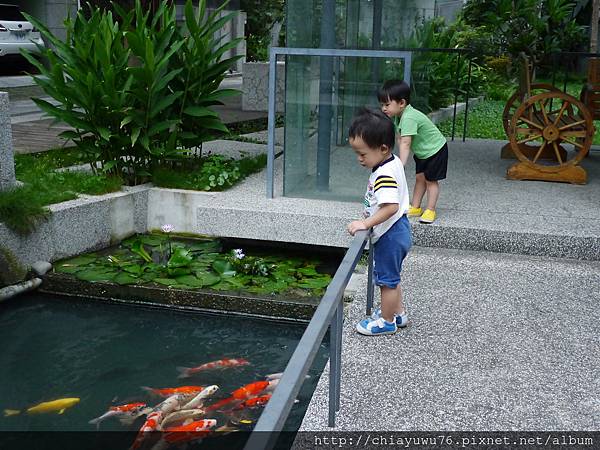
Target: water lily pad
93	275
82	260
207	278
189	281
165	281
154	240
134	269
223	267
314	283
205	246
125	278
67	268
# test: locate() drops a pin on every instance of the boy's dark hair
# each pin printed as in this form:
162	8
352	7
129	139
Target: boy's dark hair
373	127
394	90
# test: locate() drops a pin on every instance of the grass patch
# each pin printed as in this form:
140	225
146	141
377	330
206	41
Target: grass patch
23	208
485	122
51	159
210	173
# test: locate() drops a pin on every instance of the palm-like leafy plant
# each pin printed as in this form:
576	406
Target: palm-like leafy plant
136	88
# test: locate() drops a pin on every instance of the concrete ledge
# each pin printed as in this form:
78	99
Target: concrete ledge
272	307
85	224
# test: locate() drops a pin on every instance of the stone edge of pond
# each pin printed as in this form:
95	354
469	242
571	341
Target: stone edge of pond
301	309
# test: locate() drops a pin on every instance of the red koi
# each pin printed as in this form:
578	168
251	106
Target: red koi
189	432
167	392
220	364
254	402
244	393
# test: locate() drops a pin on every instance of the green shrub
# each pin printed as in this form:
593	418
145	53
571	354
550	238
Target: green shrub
210	173
135	88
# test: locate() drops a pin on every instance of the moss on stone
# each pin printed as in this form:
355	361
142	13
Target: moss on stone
11	270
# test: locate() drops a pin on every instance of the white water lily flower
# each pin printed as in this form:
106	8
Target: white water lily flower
238	253
167	228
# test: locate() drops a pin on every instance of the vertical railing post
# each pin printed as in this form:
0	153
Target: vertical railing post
271	124
334	366
339	315
370	288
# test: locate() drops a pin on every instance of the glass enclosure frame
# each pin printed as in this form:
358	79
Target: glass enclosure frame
276	51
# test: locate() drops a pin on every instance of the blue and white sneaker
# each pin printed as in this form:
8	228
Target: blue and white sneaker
370	327
401	319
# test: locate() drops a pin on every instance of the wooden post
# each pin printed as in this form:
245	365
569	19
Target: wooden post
594	26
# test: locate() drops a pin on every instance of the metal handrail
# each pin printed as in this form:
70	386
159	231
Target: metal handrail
329	313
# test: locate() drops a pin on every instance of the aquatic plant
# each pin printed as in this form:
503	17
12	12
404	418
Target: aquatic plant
195	264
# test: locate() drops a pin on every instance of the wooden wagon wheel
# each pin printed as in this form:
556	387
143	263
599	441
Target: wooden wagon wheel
551	119
516	99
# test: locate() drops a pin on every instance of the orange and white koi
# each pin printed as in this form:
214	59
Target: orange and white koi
166	392
151	424
224	363
198	425
199	399
133	410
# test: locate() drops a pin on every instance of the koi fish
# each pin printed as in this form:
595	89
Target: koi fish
254	402
171	404
245	392
198	399
182	415
167	392
58	406
133	410
152	423
198	425
186	372
278	375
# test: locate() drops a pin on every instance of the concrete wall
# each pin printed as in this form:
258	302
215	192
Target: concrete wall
86	224
255	86
7	163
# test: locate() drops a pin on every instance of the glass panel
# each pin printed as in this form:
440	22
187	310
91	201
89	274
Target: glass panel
318	161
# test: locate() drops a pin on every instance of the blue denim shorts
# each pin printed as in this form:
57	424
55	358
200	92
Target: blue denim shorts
389	252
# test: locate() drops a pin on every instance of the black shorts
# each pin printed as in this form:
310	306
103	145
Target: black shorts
435	166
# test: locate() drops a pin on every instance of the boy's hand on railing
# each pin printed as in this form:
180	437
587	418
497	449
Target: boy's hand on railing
356	225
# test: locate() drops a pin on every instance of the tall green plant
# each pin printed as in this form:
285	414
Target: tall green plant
87	75
202	71
138	88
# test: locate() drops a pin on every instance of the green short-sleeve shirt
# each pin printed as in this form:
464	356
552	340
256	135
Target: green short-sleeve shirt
427	140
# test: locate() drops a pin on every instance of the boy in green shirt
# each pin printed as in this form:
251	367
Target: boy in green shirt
416	132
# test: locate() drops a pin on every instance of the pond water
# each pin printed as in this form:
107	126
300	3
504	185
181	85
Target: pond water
103	353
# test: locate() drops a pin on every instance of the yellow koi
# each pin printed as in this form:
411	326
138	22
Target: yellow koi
58	406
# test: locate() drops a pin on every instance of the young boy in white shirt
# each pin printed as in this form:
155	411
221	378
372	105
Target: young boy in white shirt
372	136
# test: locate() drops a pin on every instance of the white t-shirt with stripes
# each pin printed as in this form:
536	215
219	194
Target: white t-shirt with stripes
387	184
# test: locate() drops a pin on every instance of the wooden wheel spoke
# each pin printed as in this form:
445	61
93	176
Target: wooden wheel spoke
543	105
574	143
574	124
532	123
555	145
527	131
574	133
530	138
539	152
560	112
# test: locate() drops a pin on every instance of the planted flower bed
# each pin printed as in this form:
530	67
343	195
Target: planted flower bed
211	273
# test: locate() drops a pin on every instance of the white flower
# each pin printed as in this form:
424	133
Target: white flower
167	228
238	253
